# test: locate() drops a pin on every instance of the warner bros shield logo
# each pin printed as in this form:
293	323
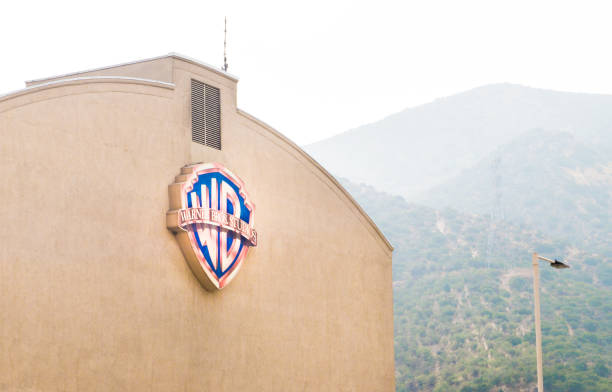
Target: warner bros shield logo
212	216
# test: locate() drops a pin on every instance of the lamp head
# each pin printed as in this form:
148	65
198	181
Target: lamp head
559	264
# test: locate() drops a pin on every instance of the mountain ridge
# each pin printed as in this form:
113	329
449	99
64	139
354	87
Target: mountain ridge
473	184
432	143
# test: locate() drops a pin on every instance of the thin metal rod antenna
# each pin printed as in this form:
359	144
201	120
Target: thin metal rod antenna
225	46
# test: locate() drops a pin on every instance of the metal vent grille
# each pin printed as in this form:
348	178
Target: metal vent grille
205	114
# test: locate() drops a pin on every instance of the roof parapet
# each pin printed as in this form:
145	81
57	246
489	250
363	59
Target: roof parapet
82	80
174	55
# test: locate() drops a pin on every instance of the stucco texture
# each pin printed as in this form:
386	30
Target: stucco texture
95	294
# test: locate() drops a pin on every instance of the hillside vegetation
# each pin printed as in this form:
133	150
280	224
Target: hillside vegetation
548	180
463	302
498	172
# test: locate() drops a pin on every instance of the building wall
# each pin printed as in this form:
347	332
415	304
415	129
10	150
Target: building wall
95	293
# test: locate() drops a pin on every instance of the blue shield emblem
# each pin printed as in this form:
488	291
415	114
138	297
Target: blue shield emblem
215	214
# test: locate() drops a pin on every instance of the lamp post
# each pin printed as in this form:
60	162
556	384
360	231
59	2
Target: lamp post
536	295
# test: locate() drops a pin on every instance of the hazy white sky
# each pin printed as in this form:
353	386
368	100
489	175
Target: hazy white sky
312	69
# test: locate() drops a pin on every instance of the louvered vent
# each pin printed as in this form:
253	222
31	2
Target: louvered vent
205	114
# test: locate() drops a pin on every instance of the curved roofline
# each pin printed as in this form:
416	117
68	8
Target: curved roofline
83	80
322	170
203	64
171	54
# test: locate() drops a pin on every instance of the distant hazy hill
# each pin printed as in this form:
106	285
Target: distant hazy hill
463	305
547	180
504	170
421	147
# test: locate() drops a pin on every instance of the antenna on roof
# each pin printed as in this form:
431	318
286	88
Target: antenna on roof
225	46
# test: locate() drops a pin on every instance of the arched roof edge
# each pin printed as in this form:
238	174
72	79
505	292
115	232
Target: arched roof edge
84	80
318	166
174	55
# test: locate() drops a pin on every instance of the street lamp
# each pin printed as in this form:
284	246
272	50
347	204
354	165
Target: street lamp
536	295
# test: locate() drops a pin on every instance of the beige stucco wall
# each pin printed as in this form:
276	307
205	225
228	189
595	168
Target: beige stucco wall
95	293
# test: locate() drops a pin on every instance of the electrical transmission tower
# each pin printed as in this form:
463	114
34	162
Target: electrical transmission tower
496	213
